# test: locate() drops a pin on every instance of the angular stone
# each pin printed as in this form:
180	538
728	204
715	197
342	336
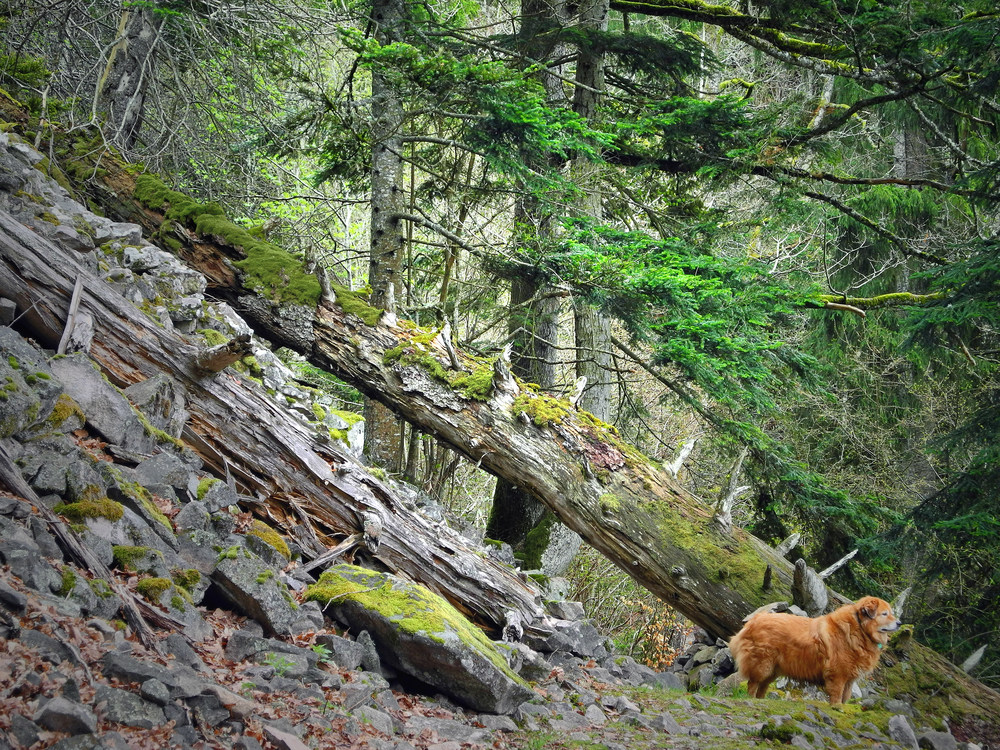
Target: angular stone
217	496
565	610
106	409
378	719
446	729
667	723
669	680
255	589
595	716
24	730
8	310
124	707
61	715
580	638
29	390
422	635
344	653
937	741
50	648
497	723
284	740
11	600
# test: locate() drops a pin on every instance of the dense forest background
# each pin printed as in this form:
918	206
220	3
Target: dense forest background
765	234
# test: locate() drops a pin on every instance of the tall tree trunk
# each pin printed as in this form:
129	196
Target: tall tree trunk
383	431
534	327
593	328
517	518
129	73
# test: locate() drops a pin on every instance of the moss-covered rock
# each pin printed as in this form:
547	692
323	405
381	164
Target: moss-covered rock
92	504
266	534
421	634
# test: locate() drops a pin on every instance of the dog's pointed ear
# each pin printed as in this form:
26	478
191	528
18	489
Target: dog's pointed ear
868	607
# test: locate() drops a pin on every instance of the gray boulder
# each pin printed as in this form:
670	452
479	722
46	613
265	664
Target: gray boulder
123	707
420	634
937	741
579	637
107	410
62	715
255	589
900	731
28	391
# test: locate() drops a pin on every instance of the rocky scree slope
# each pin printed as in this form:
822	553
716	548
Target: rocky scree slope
244	654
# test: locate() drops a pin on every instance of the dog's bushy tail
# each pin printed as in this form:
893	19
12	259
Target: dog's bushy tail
736	647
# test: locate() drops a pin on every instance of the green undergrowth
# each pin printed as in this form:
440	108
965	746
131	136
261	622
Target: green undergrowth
268	269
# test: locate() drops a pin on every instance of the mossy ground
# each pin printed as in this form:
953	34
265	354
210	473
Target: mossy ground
749	723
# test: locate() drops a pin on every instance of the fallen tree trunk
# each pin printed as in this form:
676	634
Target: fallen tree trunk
235	427
620	502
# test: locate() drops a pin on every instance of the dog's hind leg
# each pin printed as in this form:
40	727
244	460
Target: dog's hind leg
762	687
848	688
758	688
837	690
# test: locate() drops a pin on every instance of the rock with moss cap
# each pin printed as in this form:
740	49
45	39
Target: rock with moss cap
422	635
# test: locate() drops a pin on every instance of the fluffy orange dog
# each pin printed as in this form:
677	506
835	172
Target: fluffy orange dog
832	650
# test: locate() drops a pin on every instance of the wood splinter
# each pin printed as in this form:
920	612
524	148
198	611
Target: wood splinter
218	358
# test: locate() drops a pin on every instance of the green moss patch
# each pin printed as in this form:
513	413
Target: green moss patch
474	385
212	337
127	556
152	589
92	504
264	532
69	579
64	409
268	270
352	302
537	541
205	485
541	408
724	558
348	416
186	579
